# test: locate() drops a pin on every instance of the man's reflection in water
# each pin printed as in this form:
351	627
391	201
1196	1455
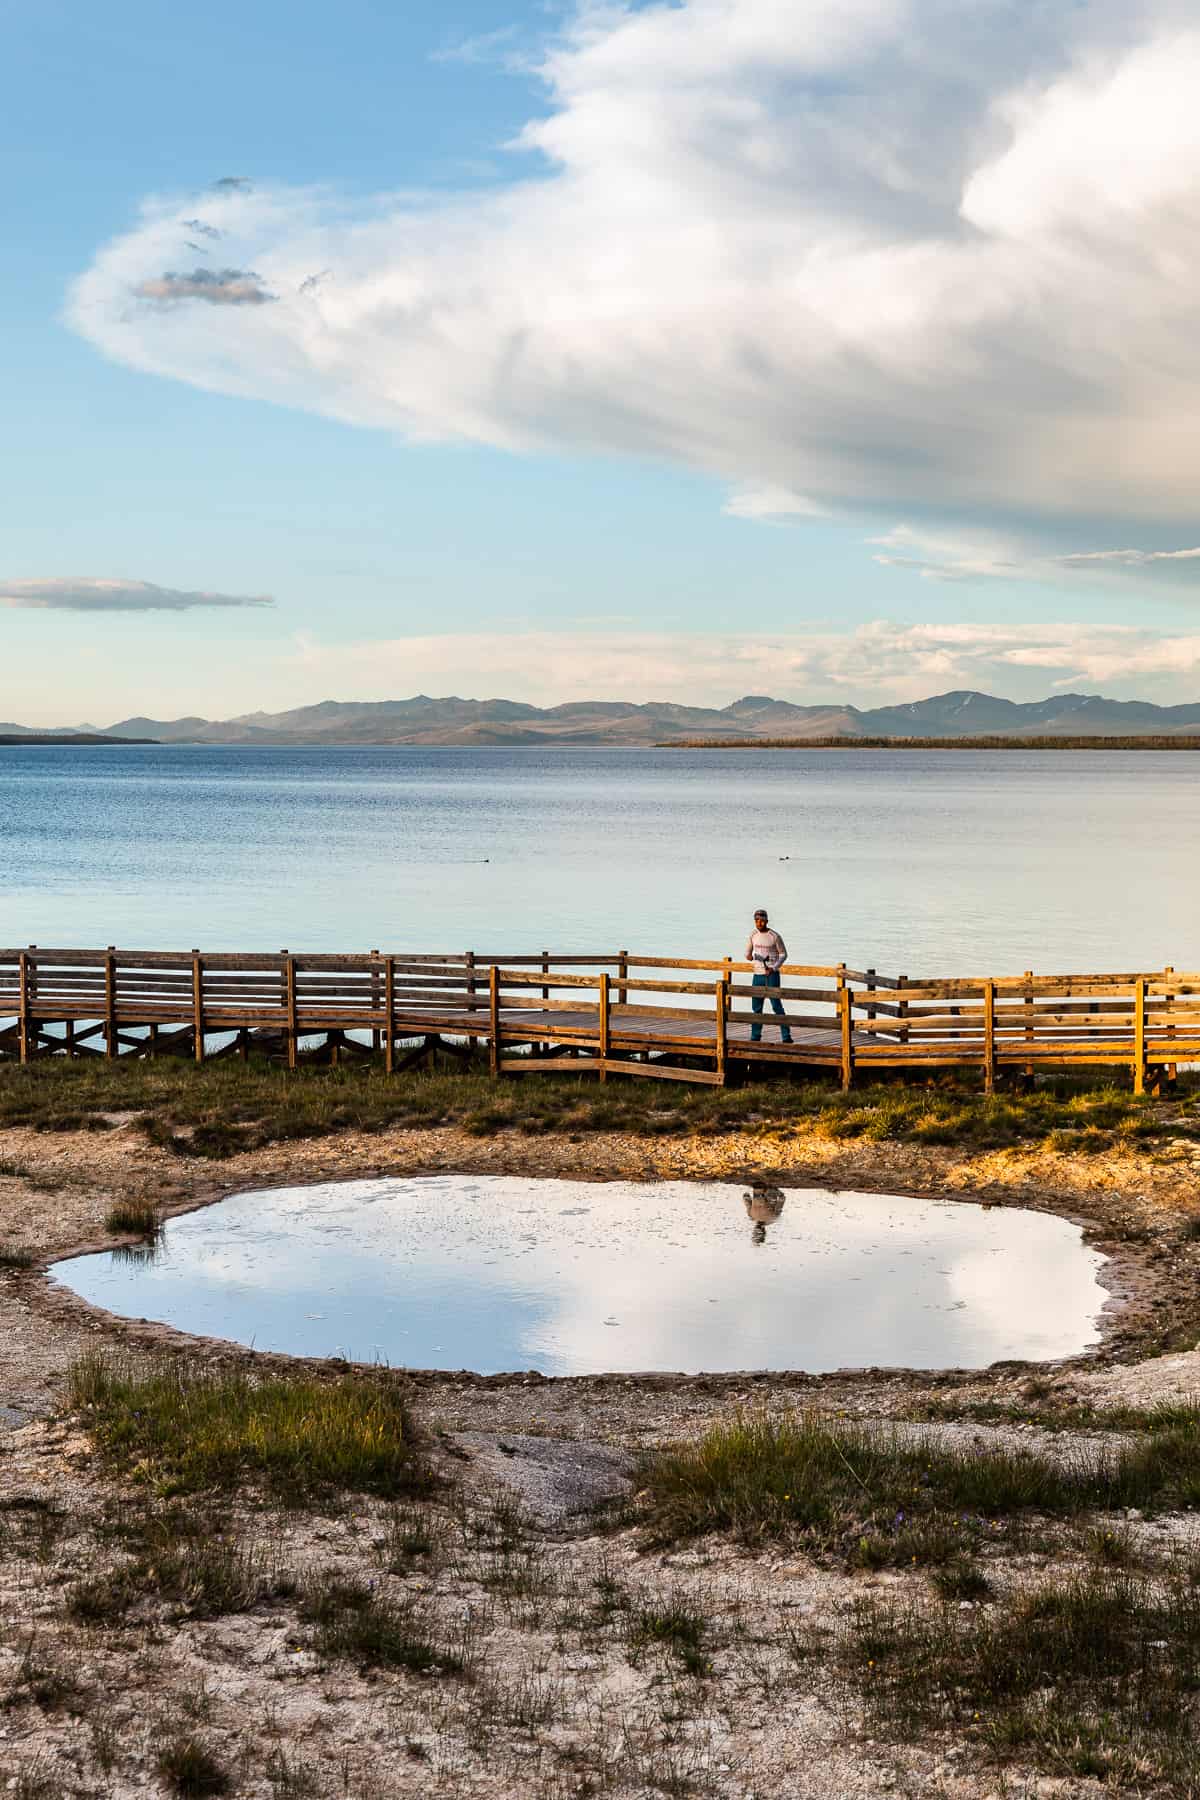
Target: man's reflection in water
763	1207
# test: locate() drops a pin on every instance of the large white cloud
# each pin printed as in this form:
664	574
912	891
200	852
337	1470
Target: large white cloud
863	253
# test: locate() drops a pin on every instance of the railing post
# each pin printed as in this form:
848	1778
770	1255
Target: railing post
721	1008
870	990
623	988
1029	1028
902	1009
727	980
605	1030
23	1005
847	1036
989	1037
110	1001
472	1041
1139	1035
494	1020
198	1004
376	1033
289	997
1168	974
389	998
541	1049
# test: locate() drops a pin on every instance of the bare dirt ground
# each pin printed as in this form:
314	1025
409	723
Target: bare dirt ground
566	1691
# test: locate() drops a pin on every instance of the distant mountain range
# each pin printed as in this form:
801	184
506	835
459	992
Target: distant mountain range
422	720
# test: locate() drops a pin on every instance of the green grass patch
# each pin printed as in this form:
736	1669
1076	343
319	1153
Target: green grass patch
877	1496
298	1436
220	1109
1096	1674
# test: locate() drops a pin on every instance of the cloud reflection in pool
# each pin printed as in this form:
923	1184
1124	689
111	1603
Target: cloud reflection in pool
495	1273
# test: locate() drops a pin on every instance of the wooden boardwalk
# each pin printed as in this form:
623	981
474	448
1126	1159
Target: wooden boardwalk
615	1013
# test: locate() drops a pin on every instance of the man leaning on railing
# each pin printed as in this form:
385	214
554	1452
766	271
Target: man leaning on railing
768	952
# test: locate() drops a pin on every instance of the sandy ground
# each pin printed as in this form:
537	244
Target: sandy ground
562	1701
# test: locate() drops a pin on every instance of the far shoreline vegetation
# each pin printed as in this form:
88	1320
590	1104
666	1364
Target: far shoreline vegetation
933	743
1041	742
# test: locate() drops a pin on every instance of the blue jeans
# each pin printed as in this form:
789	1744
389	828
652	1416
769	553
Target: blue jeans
756	1006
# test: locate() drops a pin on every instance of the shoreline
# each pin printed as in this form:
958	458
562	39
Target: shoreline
1152	1292
1048	743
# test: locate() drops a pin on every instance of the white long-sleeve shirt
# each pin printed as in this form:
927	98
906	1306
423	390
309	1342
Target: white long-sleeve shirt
767	949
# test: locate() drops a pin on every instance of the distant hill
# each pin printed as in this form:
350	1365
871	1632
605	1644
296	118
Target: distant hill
424	720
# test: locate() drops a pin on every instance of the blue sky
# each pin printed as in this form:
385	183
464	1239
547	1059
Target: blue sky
629	417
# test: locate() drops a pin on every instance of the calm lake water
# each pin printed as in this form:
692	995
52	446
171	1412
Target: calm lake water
497	1273
913	862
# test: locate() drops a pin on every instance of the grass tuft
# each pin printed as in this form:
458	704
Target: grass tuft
674	1626
133	1218
13	1256
961	1579
353	1621
298	1436
40	1680
190	1770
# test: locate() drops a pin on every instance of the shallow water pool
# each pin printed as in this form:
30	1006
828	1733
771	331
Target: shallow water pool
497	1273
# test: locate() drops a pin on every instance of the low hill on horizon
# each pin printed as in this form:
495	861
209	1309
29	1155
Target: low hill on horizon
455	721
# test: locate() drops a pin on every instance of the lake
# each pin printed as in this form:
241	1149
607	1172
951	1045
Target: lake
909	861
497	1272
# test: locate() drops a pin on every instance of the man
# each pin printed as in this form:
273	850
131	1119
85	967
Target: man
763	1207
768	952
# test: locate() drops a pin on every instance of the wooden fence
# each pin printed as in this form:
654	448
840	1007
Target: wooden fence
619	1012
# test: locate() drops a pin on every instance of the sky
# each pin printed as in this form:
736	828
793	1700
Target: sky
842	351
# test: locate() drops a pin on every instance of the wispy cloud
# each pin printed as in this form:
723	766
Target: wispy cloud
219	287
1131	559
903	256
769	505
483	47
878	661
940	556
94	594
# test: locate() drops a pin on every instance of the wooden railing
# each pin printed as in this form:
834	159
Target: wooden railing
613	1012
